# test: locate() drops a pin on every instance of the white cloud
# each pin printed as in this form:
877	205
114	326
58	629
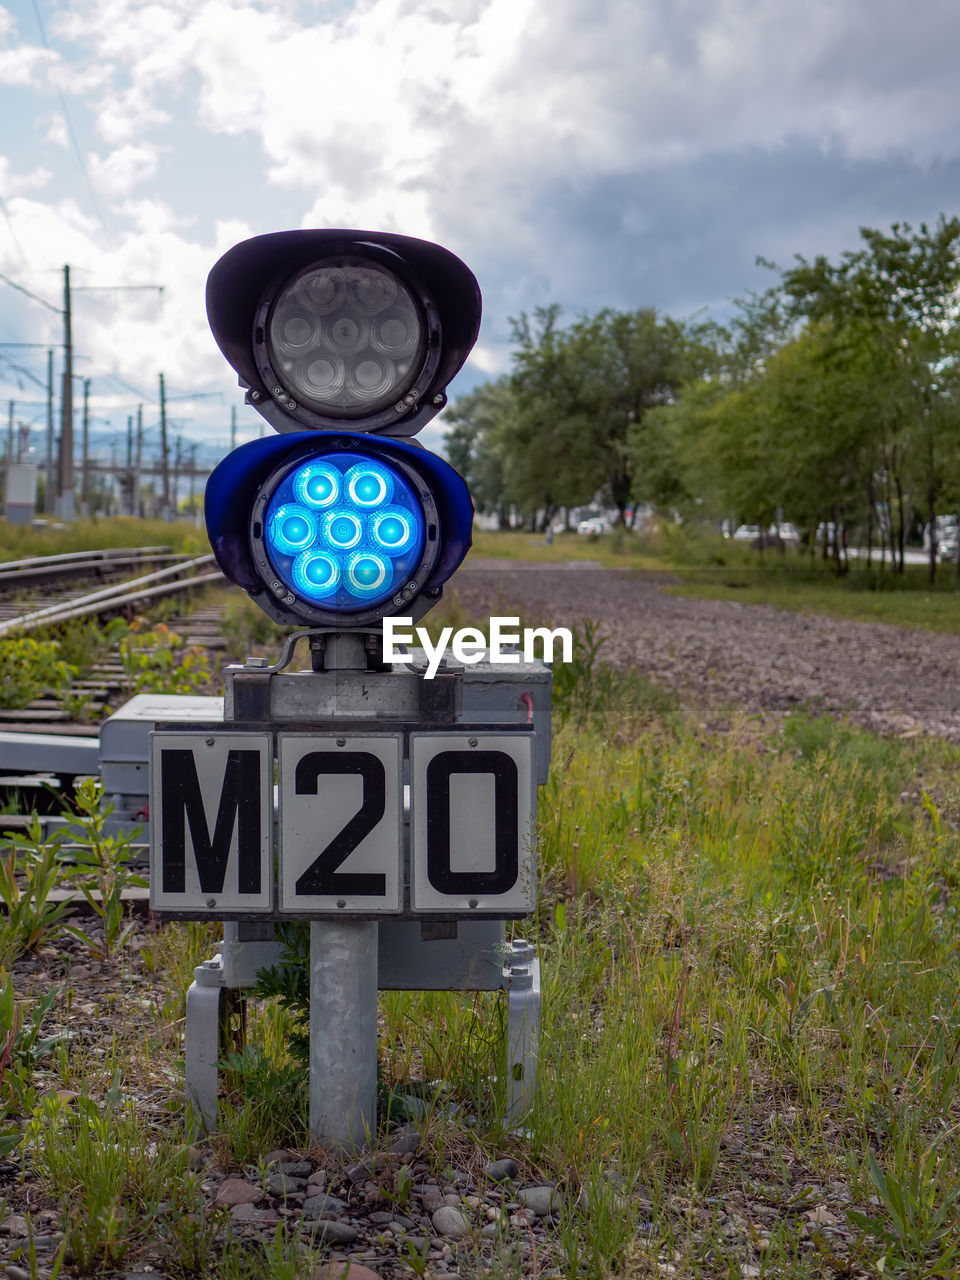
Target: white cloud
118	173
459	120
15	184
58	134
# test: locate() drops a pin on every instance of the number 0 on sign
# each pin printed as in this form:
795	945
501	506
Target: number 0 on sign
473	819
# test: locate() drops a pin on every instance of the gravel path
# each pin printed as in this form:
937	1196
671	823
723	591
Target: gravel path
767	660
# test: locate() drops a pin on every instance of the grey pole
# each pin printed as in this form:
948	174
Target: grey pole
343	1001
343	1032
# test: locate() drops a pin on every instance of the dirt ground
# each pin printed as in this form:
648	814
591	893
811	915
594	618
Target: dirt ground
765	660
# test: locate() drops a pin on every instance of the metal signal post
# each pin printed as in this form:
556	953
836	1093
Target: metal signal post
394	812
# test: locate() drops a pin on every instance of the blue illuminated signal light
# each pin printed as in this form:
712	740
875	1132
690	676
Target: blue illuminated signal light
293	528
369	485
317	484
344	531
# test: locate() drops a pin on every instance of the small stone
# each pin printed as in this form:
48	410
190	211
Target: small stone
405	1141
196	1158
14	1225
432	1198
259	1217
420	1243
296	1168
236	1191
540	1200
14	1272
343	1268
501	1170
451	1198
490	1231
450	1222
280	1156
360	1172
317	1206
330	1231
280	1184
380	1218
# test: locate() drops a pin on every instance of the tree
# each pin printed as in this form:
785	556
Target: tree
477	442
582	391
897	299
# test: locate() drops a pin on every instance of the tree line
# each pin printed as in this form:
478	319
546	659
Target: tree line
832	398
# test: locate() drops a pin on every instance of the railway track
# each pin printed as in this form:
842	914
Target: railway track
40	596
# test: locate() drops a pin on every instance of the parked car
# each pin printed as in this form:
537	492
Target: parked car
746	533
595	525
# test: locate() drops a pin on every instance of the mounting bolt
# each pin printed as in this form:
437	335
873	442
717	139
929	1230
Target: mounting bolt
341	742
257	663
472	902
341	902
211	903
210	741
471	742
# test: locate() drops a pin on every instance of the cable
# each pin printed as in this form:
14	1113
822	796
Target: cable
69	123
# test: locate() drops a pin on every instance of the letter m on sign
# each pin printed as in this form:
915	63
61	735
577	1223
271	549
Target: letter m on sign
211	798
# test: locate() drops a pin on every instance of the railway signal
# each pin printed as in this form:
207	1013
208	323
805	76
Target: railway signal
345	342
358	794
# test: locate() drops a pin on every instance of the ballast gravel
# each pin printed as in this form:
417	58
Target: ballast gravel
763	660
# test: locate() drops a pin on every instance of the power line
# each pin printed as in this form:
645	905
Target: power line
69	122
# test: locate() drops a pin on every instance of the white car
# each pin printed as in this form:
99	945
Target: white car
746	533
595	525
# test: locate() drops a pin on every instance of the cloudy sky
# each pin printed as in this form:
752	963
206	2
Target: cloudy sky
595	153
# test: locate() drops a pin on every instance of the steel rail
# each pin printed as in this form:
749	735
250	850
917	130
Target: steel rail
118	593
104	553
81	610
47	573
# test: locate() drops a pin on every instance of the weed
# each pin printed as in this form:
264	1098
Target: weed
111	1171
919	1234
21	1048
28	667
155	659
29	870
102	868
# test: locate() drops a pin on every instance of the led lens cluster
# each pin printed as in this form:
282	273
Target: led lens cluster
344	531
346	338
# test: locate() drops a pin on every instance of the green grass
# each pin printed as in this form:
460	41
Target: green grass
861	596
750	1054
20	541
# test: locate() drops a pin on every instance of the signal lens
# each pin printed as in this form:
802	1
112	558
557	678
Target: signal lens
346	338
344	531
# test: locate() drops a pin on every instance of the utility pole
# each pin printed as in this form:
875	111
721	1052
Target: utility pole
48	483
85	474
65	484
130	510
177	462
137	510
165	456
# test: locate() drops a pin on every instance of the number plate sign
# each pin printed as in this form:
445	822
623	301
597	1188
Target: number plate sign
472	822
340	823
211	822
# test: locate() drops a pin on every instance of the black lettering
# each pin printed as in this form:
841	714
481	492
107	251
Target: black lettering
440	872
322	876
181	803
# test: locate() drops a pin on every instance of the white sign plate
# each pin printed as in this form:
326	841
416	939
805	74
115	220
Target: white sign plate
340	823
472	822
210	828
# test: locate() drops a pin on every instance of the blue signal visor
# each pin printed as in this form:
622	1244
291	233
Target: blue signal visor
233	486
